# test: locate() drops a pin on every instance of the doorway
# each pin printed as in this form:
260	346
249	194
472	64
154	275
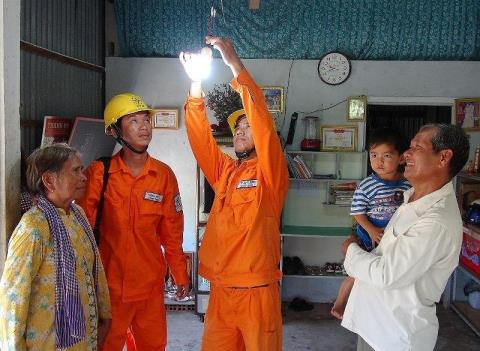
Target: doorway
406	118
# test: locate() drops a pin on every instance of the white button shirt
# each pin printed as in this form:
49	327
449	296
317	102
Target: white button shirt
392	303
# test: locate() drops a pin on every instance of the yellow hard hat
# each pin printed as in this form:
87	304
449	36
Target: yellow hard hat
122	105
232	119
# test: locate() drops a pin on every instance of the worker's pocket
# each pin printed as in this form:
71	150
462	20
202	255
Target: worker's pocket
150	208
150	214
241	196
244	205
267	307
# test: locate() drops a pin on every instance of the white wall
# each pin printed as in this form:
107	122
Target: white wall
9	121
163	83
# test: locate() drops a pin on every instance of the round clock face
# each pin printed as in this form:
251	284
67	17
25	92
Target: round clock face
334	68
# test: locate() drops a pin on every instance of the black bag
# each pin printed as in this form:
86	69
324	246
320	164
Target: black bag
98	219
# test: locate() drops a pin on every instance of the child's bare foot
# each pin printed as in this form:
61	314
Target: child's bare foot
337	311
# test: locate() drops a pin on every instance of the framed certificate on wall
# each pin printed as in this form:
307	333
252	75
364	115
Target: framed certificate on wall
165	118
339	138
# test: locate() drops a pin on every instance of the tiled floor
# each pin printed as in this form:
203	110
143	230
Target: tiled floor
316	330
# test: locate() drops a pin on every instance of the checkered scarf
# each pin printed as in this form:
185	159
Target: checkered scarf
69	318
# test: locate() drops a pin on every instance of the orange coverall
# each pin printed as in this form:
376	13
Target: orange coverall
240	252
140	215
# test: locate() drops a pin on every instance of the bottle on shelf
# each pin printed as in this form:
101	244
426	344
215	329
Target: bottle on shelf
311	141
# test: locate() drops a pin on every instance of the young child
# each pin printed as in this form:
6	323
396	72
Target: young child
376	198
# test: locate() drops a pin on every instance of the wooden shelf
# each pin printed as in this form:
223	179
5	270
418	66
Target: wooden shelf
303	231
337	205
468	314
474	176
310	211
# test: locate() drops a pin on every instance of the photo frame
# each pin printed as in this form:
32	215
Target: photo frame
357	108
467	113
274	98
339	138
165	118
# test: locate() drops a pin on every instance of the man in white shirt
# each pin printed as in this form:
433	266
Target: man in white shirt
392	304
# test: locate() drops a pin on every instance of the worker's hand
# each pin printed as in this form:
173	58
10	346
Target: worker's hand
351	239
376	235
182	291
197	65
102	330
229	55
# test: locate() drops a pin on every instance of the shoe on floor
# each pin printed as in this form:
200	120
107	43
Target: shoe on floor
299	305
298	266
287	266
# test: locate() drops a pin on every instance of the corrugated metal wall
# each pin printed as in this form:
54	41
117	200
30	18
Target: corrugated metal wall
62	60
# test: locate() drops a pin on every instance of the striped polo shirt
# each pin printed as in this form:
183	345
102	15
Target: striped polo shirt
377	198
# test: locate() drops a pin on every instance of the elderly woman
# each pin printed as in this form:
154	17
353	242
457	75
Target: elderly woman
53	292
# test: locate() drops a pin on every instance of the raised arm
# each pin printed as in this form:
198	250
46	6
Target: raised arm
267	144
204	147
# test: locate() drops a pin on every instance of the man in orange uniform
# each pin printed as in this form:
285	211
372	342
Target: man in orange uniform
142	213
240	252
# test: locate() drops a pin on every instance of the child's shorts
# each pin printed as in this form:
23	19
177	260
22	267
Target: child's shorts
365	241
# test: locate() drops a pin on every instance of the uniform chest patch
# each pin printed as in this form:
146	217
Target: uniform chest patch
248	183
153	197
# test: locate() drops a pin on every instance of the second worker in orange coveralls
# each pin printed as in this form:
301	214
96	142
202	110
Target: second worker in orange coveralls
240	252
142	213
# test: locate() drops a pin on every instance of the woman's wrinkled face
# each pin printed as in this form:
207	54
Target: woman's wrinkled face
69	183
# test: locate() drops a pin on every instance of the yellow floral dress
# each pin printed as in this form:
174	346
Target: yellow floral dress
27	287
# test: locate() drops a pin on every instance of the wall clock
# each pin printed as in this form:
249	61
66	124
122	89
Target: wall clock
334	68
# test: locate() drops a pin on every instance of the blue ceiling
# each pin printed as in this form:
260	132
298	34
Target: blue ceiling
306	29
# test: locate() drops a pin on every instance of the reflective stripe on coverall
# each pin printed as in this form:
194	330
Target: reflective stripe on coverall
141	214
241	246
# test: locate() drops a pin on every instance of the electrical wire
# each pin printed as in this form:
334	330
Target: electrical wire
323	109
286	95
211	21
302	112
223	14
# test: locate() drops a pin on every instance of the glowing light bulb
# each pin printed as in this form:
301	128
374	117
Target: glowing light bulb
206	51
200	64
